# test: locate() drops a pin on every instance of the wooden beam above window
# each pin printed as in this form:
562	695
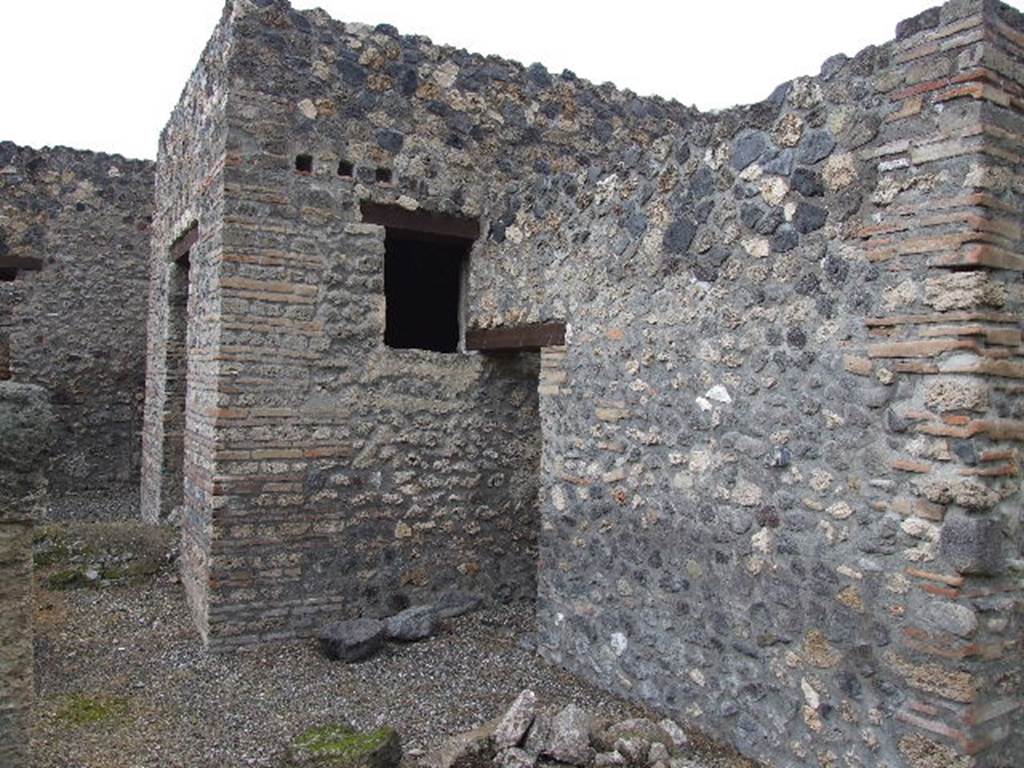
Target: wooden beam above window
394	217
516	338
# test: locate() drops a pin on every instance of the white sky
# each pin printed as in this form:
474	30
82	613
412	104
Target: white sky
104	74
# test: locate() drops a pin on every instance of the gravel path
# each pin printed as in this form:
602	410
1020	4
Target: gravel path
123	681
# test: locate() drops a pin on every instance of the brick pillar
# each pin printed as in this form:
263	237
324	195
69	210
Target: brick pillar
946	236
25	421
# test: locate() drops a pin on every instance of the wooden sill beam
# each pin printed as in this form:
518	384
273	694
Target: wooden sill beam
516	338
10	261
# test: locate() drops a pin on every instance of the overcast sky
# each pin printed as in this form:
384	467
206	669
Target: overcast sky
104	74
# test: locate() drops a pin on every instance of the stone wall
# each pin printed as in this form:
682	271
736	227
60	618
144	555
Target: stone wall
340	476
182	359
74	229
26	426
779	460
781	446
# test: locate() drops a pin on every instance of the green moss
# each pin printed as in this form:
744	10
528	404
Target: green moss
79	710
57	553
67	579
342	743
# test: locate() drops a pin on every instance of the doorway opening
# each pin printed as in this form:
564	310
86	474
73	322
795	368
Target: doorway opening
179	308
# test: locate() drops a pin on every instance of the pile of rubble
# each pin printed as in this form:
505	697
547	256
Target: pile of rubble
527	736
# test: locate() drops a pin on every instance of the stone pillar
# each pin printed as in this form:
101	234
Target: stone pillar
950	346
25	424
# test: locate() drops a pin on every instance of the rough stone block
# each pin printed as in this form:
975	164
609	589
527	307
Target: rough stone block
341	746
352	641
416	623
972	544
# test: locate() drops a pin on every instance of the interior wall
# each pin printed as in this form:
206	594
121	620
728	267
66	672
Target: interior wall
72	321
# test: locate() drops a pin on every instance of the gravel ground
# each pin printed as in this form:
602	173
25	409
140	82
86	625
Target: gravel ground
122	680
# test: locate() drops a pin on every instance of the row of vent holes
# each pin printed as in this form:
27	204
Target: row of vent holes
304	164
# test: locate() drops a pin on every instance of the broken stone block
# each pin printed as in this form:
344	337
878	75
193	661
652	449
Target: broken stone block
674	732
342	746
538	734
657	753
633	748
636	728
569	739
473	749
353	640
516	722
972	544
815	146
456	602
609	760
416	623
515	758
950	617
747	147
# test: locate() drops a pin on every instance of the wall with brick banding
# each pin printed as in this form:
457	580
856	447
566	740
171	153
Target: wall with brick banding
779	449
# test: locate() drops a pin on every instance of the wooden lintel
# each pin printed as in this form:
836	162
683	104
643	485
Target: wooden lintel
10	261
394	217
185	242
513	338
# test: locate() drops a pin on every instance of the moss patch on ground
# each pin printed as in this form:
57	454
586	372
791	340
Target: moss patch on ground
68	578
342	745
80	710
119	552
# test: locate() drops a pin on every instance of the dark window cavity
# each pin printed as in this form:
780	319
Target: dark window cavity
423	290
304	163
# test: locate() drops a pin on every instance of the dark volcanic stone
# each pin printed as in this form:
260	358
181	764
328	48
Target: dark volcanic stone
972	544
679	235
785	239
770	222
416	623
809	218
456	602
747	147
807	182
781	164
832	65
390	140
928	19
538	75
353	640
815	146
